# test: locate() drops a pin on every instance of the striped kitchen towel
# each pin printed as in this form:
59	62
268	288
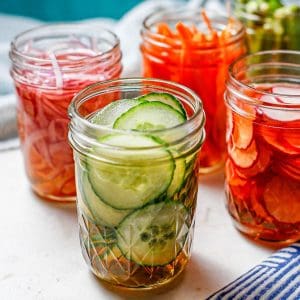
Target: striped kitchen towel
276	278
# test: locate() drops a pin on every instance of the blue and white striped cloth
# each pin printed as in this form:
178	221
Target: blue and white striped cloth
276	278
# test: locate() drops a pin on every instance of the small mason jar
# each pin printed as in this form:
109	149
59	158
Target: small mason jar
263	141
136	191
193	57
50	64
270	25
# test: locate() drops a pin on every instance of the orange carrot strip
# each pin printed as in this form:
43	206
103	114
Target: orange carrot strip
184	32
207	21
213	38
164	29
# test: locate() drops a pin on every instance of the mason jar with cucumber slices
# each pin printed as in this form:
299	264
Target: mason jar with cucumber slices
135	145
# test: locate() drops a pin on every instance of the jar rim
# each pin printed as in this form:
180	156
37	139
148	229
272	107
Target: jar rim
63	28
186	13
88	93
233	83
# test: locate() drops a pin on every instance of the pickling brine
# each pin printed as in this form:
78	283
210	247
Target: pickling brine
263	165
50	65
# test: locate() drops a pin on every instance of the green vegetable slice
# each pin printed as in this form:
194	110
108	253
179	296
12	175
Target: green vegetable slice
149	116
178	177
136	178
101	212
154	234
112	111
165	98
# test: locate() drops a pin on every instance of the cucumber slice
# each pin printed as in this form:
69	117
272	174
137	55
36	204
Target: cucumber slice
112	111
101	212
154	234
137	179
178	177
149	116
165	98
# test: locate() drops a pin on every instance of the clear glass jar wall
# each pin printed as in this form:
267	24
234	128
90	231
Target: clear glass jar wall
137	191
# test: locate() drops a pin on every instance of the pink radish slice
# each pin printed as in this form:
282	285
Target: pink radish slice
242	133
260	165
244	158
282	199
289	96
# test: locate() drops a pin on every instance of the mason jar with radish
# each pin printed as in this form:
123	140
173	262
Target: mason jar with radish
263	141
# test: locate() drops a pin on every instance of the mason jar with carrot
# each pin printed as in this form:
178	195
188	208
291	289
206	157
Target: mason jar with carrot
195	48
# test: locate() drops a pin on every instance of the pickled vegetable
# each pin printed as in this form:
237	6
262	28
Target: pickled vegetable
270	24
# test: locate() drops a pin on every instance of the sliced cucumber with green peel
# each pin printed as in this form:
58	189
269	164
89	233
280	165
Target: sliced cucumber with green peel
101	212
136	178
149	116
154	234
112	111
178	177
165	98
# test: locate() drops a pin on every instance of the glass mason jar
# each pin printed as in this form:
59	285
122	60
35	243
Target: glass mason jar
49	65
270	25
136	190
263	141
193	57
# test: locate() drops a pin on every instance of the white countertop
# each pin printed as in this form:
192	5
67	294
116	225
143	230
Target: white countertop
40	256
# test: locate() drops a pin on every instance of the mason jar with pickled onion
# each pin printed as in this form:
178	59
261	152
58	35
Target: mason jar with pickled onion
263	141
50	64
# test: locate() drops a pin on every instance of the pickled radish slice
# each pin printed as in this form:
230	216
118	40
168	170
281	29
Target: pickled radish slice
288	90
278	114
292	138
242	133
239	187
282	114
282	199
244	158
288	171
260	165
231	175
285	140
289	167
